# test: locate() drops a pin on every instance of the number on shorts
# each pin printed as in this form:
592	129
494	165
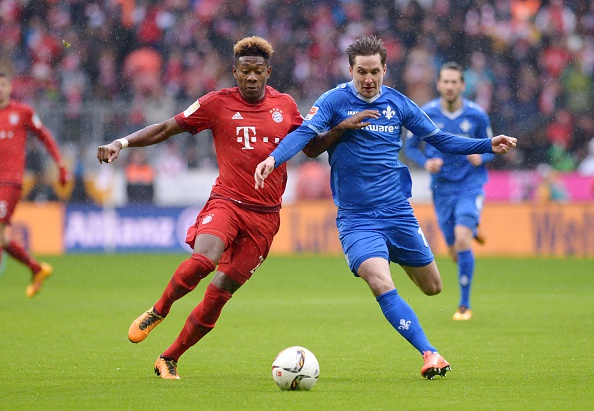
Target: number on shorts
253	270
423	237
480	202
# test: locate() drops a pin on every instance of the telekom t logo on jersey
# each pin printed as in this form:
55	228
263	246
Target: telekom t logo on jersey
247	136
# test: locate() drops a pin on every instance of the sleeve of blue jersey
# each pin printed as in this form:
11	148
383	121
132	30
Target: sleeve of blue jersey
450	144
486	132
412	149
316	122
292	144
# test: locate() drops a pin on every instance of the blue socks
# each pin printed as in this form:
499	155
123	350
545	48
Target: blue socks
465	271
404	320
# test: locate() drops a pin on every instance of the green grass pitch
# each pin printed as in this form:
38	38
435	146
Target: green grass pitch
527	348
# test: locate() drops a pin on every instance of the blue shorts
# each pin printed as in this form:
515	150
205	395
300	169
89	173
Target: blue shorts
391	233
458	208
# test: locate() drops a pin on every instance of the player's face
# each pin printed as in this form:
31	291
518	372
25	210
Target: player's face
5	90
368	74
252	73
450	85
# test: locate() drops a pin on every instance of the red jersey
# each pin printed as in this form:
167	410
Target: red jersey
16	119
244	135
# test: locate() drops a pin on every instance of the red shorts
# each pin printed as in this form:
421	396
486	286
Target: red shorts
9	197
247	236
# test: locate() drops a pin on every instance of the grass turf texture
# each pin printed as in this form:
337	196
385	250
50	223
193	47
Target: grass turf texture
527	347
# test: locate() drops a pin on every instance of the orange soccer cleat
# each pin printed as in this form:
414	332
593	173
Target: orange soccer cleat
166	368
38	278
143	325
462	314
435	364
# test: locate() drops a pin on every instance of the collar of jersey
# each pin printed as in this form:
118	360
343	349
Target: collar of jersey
252	103
365	99
452	115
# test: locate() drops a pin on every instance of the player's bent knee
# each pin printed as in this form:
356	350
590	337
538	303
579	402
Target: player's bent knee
432	286
432	290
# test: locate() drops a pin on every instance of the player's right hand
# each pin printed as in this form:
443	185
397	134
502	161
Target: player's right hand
433	165
108	152
63	175
263	170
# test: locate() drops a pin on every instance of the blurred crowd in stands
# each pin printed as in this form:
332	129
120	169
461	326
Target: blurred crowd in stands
529	63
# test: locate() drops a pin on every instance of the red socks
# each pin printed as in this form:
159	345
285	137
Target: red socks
185	279
15	250
200	321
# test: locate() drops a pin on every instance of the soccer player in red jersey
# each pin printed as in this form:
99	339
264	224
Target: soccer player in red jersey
16	120
235	228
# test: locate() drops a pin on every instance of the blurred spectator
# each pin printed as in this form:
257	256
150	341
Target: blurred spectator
79	192
313	181
419	76
171	162
560	159
577	84
479	80
550	188
140	178
556	19
560	130
586	167
86	60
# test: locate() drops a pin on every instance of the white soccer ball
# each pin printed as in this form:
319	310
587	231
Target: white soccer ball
295	368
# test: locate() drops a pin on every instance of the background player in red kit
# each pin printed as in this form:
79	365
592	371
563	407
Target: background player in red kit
16	120
235	228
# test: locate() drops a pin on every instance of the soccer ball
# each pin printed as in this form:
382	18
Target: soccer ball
295	368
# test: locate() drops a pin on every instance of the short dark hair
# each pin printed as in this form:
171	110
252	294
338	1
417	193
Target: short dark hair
253	46
451	65
366	46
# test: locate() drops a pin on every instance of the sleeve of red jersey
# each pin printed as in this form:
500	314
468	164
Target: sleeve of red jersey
198	116
296	118
45	136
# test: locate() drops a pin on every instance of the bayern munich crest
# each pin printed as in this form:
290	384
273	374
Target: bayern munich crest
277	115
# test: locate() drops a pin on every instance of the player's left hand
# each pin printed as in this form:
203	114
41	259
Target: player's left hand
502	144
263	170
355	122
475	159
64	176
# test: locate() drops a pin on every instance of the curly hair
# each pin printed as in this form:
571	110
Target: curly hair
366	46
253	46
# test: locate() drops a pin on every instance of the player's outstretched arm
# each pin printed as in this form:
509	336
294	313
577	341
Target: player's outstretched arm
47	138
263	170
502	144
147	136
324	141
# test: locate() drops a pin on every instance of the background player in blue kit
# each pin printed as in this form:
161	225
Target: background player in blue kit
371	187
456	181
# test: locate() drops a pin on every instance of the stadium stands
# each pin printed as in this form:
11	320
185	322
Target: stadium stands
98	69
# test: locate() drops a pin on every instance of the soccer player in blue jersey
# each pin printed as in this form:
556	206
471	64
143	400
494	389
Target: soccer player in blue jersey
371	187
456	181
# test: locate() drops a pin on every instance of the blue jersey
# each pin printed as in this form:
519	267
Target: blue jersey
365	170
470	121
